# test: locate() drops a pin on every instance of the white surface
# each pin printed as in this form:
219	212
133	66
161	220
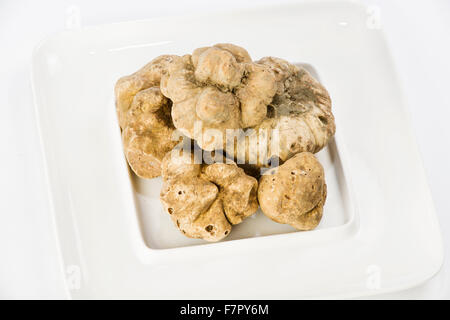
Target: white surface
392	226
29	267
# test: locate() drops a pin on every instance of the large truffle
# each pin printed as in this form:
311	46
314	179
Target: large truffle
299	118
144	117
215	89
204	201
295	192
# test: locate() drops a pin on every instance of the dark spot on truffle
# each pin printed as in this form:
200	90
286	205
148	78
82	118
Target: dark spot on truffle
270	111
323	120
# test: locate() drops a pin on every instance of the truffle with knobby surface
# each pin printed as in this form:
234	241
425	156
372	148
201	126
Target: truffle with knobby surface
145	118
204	201
299	118
215	89
295	192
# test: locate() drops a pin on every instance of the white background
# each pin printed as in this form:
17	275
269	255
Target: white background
418	33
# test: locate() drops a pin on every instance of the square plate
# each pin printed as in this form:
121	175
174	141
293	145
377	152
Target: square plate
384	238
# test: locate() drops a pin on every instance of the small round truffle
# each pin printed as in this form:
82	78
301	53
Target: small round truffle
204	201
295	192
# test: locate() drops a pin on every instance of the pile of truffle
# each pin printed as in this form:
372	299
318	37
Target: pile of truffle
216	89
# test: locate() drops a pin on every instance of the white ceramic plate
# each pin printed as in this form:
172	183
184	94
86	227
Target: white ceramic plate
379	232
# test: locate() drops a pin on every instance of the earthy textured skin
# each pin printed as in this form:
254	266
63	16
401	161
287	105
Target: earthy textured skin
204	201
144	117
146	77
147	133
238	191
219	88
295	192
300	111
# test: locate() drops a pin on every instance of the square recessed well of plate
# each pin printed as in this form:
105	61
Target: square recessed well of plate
159	232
